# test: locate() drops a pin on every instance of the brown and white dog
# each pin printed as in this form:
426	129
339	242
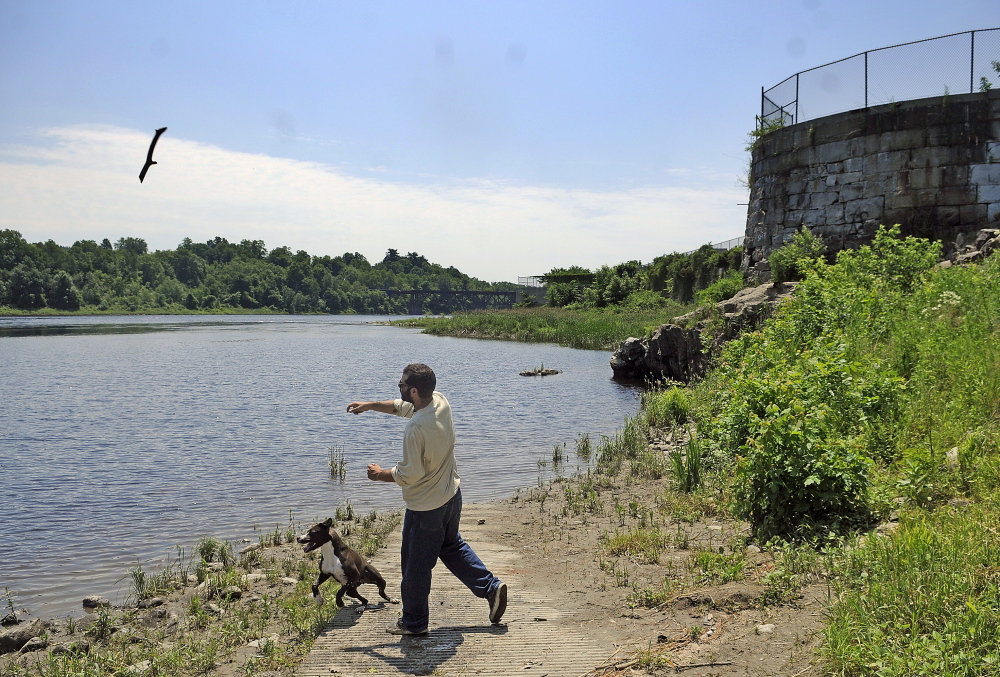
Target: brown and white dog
343	563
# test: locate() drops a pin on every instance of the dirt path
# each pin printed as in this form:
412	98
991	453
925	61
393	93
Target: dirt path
572	608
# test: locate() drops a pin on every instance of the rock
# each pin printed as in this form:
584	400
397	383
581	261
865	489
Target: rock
214	608
215	566
35	644
92	602
192	579
231	592
150	603
9	619
79	646
287	580
951	458
765	629
15	637
675	353
253	578
273	639
539	371
250	548
139	668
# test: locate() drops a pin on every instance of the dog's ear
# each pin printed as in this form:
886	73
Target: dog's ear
328	523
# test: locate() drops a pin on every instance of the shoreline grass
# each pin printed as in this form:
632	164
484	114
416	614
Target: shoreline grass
203	623
588	329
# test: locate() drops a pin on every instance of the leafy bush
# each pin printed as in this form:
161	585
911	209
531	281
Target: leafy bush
722	289
789	261
796	482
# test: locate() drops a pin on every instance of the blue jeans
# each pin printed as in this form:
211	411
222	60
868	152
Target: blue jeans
427	536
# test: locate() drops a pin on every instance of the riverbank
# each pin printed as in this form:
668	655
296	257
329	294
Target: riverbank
655	576
589	329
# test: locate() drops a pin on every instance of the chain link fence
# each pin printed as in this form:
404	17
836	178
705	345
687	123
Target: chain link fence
958	63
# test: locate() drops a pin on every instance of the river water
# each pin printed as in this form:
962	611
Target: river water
123	438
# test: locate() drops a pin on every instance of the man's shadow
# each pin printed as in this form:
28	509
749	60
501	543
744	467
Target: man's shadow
423	654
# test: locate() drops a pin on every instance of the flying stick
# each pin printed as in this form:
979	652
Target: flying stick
149	154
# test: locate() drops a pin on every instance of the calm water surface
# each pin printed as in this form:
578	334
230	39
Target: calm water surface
122	438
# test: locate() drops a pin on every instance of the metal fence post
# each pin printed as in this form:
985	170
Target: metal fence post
796	118
972	63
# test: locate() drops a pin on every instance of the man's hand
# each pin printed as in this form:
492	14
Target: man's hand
379	474
358	407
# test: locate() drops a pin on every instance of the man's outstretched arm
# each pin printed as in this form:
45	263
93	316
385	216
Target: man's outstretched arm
386	407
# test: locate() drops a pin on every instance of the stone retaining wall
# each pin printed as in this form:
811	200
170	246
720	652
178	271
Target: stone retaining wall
930	165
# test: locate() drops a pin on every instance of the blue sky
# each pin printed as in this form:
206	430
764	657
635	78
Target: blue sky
503	138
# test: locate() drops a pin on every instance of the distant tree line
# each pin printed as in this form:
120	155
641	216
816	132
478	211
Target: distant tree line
677	277
214	275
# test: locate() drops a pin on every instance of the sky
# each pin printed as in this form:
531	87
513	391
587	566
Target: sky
502	138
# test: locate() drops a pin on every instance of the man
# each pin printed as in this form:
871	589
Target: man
428	475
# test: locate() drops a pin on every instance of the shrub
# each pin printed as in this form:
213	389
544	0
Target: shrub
796	482
722	289
790	260
666	407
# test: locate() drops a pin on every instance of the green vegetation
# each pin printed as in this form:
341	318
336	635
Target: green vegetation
594	329
676	277
874	392
878	383
214	277
790	261
213	625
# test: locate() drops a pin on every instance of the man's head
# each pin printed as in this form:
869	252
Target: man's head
418	376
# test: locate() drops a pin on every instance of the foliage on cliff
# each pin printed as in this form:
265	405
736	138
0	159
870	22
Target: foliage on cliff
677	277
877	389
215	276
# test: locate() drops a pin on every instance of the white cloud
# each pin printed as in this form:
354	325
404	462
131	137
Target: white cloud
82	182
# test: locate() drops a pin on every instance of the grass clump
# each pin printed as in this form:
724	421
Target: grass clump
921	601
667	408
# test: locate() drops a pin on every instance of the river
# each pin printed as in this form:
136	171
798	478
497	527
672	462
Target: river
124	438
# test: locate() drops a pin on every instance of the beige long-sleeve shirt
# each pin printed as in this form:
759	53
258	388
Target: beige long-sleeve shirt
428	473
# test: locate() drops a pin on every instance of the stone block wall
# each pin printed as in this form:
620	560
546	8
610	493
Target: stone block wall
930	165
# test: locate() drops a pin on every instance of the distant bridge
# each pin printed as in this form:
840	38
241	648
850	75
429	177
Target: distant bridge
454	300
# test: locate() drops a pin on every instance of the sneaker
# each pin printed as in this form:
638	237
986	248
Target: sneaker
398	628
498	603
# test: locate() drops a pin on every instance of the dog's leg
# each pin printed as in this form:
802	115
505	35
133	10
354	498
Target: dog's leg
375	577
352	590
340	595
317	596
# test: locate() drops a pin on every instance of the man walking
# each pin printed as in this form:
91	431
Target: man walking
428	475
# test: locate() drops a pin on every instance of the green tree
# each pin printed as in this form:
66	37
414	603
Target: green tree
13	249
26	287
63	293
136	245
